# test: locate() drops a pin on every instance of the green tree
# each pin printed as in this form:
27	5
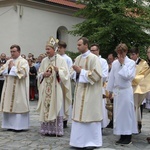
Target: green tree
109	22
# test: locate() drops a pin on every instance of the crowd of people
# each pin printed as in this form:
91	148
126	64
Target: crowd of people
79	90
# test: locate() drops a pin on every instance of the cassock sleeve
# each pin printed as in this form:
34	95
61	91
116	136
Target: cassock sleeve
73	75
144	86
140	74
128	72
40	76
83	76
22	70
92	75
4	69
95	74
40	73
5	72
13	71
70	63
104	70
110	84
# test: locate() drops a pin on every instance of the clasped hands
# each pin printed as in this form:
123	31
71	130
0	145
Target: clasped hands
121	59
11	64
49	72
77	68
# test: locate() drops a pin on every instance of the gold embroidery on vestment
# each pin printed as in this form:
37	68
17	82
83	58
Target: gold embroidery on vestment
84	91
92	78
48	92
13	94
97	73
4	92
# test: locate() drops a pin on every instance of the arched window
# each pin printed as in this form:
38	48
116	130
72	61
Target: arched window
62	34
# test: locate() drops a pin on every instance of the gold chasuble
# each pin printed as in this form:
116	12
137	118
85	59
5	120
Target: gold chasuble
144	86
141	81
15	94
87	105
54	93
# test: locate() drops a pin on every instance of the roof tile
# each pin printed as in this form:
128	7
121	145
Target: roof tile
67	3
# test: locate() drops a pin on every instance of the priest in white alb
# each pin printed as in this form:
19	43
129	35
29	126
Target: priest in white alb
15	94
87	107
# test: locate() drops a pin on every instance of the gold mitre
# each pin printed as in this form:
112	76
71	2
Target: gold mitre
52	42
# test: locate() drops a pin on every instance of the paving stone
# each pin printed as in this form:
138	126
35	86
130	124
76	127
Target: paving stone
33	140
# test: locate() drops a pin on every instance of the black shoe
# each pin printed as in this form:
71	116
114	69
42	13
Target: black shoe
139	131
20	131
15	130
122	138
90	148
65	124
119	142
139	127
148	140
110	125
127	140
10	129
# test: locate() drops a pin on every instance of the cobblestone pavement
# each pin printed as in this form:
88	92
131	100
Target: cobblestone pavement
32	140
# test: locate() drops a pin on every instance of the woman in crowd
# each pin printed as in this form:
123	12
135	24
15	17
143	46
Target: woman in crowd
32	74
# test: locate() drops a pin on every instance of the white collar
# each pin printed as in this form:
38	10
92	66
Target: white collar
16	58
84	55
63	55
51	58
137	59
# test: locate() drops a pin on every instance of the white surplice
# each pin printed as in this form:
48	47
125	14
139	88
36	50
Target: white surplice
68	60
119	83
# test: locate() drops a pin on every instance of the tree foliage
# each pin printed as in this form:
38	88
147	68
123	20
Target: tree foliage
109	22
